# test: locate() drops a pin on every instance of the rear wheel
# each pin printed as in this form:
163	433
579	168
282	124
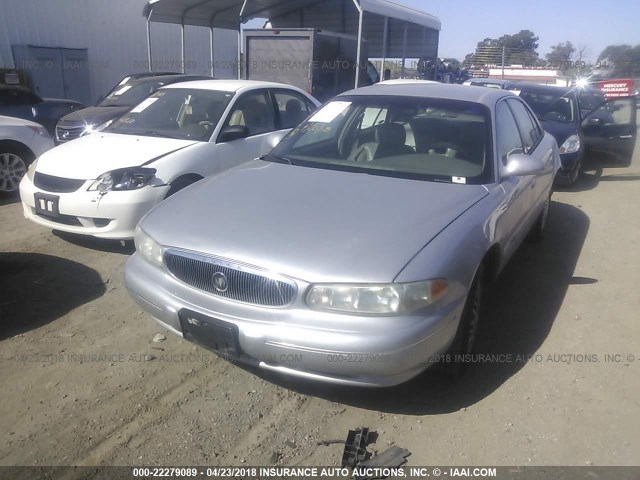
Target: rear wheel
13	166
452	364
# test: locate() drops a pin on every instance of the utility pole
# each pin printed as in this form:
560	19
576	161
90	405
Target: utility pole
503	57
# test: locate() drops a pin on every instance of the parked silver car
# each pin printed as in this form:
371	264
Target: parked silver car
357	251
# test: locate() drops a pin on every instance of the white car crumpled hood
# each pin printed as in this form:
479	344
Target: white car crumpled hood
89	157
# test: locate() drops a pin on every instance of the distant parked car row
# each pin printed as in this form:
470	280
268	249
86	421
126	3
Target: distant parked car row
580	119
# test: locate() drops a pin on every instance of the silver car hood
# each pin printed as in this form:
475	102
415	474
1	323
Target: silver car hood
312	224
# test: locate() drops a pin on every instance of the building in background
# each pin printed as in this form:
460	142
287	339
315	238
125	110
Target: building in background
79	49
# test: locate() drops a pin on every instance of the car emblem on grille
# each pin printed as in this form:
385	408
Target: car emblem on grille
220	282
65	134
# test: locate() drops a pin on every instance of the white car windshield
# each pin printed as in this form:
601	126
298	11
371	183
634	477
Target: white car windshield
183	113
410	137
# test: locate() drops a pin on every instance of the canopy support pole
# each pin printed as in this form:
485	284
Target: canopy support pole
212	49
385	35
184	48
359	50
404	49
244	5
149	40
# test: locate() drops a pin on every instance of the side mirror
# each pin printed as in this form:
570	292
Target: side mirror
519	165
233	132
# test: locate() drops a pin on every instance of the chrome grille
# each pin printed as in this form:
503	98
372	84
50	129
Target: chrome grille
244	284
65	133
50	183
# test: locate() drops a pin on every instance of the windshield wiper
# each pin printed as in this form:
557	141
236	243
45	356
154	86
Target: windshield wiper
151	133
274	159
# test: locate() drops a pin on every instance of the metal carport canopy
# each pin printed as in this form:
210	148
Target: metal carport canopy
390	29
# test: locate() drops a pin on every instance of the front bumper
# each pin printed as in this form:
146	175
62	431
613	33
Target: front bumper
112	216
569	165
299	342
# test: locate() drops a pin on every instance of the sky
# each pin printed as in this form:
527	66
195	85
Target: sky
592	23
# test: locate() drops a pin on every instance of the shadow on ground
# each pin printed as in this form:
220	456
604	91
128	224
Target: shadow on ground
8	199
93	243
593	167
519	312
37	289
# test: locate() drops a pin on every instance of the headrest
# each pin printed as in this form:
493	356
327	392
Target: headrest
391	134
293	106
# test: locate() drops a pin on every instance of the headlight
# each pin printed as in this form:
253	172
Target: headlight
376	299
31	171
123	179
148	247
571	144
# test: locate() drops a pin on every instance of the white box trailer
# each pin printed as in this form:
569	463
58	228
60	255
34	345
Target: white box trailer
319	62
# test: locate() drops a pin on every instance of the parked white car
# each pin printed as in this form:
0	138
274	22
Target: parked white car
21	141
104	183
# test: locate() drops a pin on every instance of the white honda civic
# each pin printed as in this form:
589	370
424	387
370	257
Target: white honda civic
104	183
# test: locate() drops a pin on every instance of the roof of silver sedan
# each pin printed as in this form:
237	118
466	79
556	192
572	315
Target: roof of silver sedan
230	85
486	96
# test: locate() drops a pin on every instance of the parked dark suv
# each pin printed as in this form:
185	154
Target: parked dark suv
20	102
581	118
129	93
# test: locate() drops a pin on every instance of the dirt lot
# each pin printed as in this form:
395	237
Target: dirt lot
83	382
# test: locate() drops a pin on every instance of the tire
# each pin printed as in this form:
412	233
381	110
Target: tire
452	365
13	166
536	235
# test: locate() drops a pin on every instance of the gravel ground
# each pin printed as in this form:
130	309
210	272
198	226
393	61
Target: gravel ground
84	382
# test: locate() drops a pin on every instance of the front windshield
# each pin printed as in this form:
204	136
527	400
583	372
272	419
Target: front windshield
551	106
409	137
183	113
130	94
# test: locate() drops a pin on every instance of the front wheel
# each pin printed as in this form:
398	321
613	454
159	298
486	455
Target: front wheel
453	364
13	166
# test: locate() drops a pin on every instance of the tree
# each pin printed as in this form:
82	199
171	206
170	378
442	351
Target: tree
621	60
561	56
518	49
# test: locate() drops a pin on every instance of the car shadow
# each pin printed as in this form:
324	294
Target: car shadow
93	243
9	199
518	314
36	289
593	166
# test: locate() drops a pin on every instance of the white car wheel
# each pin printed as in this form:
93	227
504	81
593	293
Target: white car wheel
12	168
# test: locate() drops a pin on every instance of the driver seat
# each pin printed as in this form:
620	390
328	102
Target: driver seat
390	142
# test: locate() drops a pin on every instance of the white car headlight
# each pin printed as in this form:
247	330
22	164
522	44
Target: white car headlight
31	171
571	144
123	179
376	299
148	247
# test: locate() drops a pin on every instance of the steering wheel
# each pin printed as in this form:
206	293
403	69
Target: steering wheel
448	149
207	124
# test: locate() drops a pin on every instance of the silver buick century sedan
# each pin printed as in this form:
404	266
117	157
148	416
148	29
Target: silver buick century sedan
358	250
